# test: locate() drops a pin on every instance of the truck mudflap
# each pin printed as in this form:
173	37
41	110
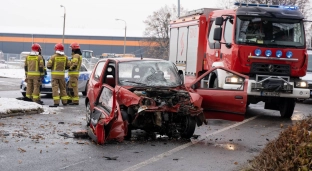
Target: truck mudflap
271	88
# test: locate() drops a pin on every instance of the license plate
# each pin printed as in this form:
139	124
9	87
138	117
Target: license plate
270	94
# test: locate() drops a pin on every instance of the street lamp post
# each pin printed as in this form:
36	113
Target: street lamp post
125	35
64	23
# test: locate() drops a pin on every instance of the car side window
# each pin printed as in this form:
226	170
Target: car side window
106	99
98	70
228	31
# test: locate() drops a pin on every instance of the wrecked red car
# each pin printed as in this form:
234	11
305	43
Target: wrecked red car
149	94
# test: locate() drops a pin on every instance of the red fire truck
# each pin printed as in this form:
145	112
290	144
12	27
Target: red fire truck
264	42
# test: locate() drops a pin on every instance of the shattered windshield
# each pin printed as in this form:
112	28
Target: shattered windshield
148	73
269	31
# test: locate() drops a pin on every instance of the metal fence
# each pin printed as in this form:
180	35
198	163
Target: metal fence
9	60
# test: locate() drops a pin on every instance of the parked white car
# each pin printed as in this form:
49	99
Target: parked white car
46	87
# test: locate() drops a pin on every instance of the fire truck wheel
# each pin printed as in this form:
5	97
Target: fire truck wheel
88	113
287	107
187	127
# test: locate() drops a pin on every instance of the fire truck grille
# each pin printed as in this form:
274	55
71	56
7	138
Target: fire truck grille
271	69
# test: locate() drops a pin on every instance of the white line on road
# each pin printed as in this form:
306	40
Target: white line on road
74	164
181	147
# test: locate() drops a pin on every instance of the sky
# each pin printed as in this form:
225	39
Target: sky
85	17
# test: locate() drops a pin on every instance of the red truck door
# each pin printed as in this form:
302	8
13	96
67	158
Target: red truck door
224	98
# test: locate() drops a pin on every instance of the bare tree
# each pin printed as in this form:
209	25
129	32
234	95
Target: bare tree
226	4
158	31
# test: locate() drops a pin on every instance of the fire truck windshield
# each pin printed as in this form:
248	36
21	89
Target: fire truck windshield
276	32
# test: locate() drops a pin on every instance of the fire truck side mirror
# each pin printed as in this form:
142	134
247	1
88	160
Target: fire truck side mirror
180	72
217	34
219	21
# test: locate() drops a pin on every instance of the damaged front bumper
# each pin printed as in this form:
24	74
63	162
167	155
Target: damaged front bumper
275	86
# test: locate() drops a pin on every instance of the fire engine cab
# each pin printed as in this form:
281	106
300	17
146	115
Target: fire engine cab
264	42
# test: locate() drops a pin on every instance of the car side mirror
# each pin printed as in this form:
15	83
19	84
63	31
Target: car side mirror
180	72
217	34
219	21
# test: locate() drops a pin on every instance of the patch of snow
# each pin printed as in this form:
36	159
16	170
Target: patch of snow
12	73
48	110
9	104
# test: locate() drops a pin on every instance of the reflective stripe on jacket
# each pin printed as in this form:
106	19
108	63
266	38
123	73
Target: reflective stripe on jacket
33	63
75	62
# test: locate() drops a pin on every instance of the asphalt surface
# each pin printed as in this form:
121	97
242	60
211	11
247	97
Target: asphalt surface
37	142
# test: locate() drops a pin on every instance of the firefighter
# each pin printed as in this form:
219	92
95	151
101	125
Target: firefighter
73	72
58	63
34	69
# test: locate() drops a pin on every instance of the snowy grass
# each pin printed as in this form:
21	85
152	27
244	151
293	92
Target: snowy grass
11	105
12	73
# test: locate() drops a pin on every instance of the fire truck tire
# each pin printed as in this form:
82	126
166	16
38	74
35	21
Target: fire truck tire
188	127
287	107
214	82
88	113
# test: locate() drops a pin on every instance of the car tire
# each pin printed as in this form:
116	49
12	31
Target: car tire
188	127
84	93
24	94
88	113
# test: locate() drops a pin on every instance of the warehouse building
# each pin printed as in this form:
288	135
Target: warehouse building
13	43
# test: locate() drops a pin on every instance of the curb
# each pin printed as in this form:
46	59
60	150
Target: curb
20	113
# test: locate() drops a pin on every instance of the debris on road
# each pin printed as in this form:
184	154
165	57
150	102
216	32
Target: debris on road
21	150
81	134
111	158
65	135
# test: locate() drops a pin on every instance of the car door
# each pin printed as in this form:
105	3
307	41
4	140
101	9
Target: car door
104	114
224	94
106	102
95	82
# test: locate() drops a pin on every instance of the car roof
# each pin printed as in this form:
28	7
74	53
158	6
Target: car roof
132	59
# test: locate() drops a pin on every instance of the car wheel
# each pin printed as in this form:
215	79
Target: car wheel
24	94
187	127
88	114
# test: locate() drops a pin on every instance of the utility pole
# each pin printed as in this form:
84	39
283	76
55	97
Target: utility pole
64	23
125	38
178	8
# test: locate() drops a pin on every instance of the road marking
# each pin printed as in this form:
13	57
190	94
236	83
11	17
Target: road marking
181	147
74	164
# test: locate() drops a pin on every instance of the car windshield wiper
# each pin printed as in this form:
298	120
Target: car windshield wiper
133	82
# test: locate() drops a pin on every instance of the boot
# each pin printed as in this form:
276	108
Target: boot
40	102
73	103
55	105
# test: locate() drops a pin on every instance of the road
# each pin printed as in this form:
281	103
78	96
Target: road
34	142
